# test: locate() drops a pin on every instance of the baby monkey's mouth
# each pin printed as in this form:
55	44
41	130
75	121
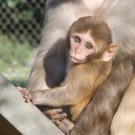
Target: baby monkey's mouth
75	60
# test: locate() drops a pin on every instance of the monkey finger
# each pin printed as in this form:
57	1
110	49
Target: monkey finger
62	126
58	116
23	91
51	112
27	96
20	89
68	123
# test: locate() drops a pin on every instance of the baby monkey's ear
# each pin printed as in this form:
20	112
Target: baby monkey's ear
110	52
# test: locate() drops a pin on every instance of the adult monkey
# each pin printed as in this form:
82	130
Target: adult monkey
123	122
60	15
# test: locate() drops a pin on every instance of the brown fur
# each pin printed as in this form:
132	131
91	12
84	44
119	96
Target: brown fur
123	122
83	78
96	118
60	14
78	88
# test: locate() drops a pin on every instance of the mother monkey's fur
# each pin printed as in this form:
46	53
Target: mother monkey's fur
50	67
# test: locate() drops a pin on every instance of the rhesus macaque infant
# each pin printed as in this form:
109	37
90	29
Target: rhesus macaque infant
90	52
60	14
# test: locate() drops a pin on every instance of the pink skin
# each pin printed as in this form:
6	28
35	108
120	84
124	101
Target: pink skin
79	52
54	114
26	94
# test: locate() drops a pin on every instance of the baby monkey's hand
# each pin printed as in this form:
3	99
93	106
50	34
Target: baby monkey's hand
26	94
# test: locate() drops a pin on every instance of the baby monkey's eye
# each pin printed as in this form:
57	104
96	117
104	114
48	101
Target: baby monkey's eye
77	39
88	45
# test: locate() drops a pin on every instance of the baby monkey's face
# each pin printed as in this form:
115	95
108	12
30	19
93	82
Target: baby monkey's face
82	46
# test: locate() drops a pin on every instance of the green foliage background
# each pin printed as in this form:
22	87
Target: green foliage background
16	49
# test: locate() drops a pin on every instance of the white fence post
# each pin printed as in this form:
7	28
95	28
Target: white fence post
18	117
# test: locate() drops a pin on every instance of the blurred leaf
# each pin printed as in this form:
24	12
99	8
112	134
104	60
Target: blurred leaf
13	54
13	3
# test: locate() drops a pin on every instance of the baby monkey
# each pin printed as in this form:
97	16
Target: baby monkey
90	50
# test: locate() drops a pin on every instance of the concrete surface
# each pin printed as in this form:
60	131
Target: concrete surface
18	117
